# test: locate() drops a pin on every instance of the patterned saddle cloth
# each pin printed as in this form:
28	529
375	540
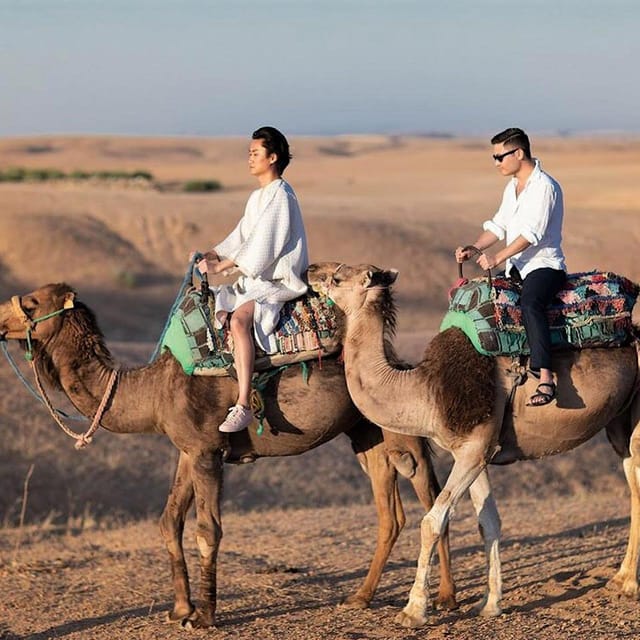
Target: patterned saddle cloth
593	310
307	329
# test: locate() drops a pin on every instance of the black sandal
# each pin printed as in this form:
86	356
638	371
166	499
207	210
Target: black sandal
540	398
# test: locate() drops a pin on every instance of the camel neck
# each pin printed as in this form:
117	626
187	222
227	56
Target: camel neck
84	383
382	392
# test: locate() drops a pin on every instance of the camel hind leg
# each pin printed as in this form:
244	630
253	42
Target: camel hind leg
626	579
391	519
489	525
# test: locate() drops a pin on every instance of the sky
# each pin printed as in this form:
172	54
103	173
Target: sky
316	67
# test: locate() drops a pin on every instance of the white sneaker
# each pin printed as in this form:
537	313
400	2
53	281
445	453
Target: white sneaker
237	419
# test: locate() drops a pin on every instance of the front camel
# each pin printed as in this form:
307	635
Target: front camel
69	352
458	398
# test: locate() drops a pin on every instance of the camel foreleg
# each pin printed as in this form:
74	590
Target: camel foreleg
489	525
426	485
172	529
470	460
207	484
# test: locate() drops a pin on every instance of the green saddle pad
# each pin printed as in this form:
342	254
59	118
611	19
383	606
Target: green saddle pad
306	324
592	310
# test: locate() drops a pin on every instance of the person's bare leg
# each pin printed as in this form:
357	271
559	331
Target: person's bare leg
546	375
243	350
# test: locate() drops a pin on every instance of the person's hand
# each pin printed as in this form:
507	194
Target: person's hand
208	262
487	262
224	267
463	254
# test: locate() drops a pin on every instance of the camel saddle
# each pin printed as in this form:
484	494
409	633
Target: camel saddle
307	330
592	310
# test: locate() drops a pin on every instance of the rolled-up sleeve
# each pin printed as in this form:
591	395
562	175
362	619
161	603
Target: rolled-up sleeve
498	224
490	225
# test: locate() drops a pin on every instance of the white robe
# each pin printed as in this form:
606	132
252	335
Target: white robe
269	246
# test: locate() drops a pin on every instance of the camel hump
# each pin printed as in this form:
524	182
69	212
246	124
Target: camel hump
307	329
592	310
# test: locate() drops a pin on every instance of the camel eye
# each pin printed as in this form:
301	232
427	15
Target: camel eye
29	303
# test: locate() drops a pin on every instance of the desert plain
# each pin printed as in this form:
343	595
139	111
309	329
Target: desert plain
80	553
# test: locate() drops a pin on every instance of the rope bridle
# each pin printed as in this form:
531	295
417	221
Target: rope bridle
30	324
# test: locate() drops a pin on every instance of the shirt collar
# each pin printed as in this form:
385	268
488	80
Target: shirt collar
537	170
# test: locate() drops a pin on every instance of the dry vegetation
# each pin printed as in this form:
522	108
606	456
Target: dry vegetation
90	563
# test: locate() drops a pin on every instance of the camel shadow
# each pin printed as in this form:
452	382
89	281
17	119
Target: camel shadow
68	628
568	584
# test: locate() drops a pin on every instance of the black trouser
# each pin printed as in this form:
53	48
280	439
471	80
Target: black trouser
538	290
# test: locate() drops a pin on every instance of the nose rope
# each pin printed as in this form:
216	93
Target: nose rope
82	439
20	312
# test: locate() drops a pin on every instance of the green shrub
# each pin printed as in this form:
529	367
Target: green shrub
194	186
79	175
144	175
41	175
13	174
20	174
126	279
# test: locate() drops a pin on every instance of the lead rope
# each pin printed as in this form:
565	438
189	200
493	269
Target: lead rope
187	282
82	439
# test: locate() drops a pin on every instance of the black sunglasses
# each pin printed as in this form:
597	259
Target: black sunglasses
499	157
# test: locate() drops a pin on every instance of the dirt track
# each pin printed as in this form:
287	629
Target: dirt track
282	574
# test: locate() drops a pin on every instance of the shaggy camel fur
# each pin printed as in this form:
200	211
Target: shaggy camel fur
70	353
459	398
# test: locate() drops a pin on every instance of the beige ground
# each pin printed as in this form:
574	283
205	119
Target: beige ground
89	563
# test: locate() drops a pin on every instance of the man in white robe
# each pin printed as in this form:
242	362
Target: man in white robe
269	247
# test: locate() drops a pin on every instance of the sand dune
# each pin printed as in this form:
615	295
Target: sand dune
392	201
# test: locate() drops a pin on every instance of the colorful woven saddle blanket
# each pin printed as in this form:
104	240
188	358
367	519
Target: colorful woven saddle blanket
307	329
593	310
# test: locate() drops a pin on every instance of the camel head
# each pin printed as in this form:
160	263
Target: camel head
350	287
37	315
319	275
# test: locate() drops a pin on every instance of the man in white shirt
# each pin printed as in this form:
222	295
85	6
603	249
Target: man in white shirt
530	221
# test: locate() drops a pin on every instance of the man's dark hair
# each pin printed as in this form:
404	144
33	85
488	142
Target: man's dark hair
514	138
274	142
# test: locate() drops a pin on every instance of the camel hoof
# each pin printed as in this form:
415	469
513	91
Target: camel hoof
626	585
410	622
486	610
173	617
490	612
196	621
446	603
355	602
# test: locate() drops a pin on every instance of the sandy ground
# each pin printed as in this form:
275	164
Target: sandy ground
88	562
283	574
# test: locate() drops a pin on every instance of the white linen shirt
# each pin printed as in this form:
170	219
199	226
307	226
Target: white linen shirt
269	246
536	215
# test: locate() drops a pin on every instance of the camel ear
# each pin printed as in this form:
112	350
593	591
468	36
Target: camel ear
367	279
68	300
381	278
